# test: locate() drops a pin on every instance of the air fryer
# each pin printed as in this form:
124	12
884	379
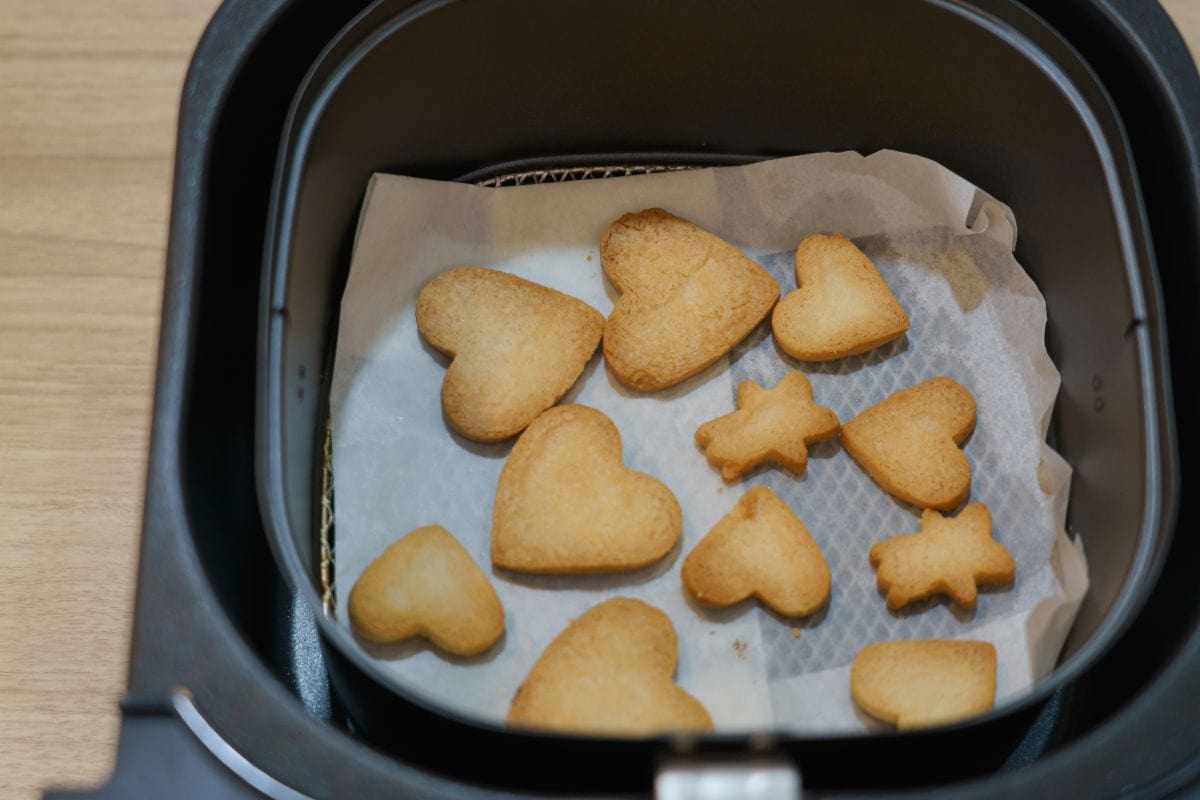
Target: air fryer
1078	113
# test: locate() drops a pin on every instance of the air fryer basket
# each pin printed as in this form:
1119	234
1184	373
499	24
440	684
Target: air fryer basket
454	89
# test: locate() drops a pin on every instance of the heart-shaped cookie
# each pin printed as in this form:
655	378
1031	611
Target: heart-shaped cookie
771	425
566	505
909	443
950	556
610	672
919	684
760	549
426	584
842	305
687	297
516	347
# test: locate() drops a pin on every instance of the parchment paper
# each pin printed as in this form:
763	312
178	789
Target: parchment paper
945	248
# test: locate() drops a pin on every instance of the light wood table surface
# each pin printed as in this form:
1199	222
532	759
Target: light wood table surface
88	99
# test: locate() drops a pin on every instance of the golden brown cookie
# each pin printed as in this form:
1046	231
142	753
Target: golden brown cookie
516	347
771	425
426	584
950	556
920	684
610	672
565	504
909	443
687	297
841	305
759	549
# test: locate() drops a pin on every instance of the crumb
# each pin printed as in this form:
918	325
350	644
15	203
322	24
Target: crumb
720	490
589	258
710	633
795	633
739	647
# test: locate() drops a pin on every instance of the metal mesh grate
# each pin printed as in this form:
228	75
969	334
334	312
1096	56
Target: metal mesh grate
525	178
325	561
564	174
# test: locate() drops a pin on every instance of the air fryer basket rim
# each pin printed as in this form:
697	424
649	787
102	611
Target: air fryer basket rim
306	111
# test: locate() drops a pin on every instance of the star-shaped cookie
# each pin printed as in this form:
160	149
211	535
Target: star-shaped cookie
771	425
949	556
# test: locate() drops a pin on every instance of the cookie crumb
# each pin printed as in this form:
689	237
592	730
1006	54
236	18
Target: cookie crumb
589	258
795	633
739	647
720	490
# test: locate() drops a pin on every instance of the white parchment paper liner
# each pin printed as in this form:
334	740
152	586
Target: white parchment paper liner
945	248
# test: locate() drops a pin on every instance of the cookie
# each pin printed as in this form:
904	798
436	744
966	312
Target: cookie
909	443
760	549
687	298
516	347
771	425
919	684
427	585
566	505
841	305
610	672
950	556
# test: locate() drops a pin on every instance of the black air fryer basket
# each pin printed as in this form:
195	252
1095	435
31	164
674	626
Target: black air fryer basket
1080	114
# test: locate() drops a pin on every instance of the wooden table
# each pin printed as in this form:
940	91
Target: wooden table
89	93
88	99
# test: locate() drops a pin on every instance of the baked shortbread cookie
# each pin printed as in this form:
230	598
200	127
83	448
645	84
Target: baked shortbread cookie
687	297
920	684
516	347
565	504
909	443
841	305
773	425
426	584
950	556
760	549
610	672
